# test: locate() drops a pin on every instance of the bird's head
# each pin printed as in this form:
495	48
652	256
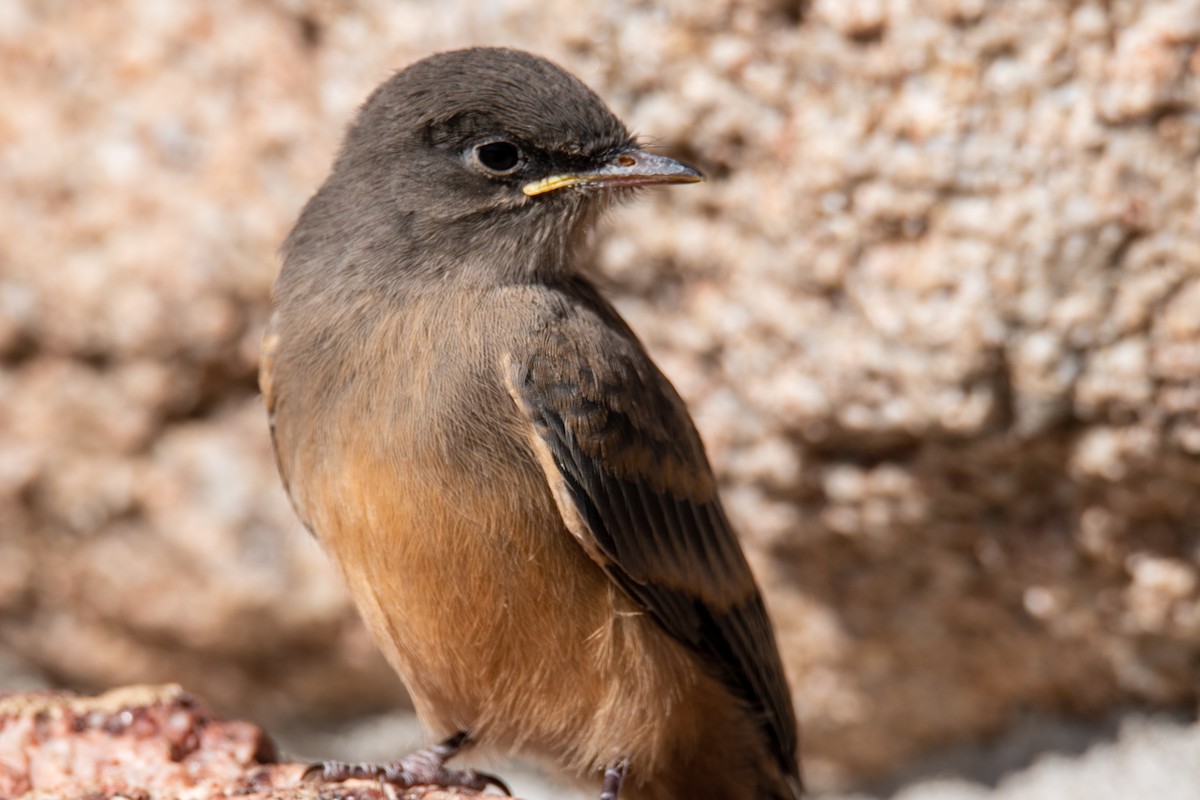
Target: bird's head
492	152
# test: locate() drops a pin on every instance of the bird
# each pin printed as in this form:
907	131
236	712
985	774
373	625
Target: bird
515	495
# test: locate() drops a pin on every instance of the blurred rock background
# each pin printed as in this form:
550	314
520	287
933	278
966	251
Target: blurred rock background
937	314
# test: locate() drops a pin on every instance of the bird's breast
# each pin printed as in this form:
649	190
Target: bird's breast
405	452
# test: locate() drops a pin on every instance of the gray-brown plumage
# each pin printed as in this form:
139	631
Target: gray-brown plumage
516	496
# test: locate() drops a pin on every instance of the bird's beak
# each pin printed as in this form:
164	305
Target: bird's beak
631	168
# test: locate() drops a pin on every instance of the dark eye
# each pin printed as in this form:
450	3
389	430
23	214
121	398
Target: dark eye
499	157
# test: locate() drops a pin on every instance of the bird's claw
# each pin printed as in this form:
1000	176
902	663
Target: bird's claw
419	769
488	779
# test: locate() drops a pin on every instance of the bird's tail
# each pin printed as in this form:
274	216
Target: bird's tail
787	787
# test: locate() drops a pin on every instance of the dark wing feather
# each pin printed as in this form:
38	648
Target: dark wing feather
620	449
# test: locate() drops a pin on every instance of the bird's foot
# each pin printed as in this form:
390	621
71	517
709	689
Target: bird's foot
426	767
614	776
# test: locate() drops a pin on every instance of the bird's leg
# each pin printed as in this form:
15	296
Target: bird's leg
426	767
614	776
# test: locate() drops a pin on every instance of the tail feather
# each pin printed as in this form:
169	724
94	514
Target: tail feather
787	787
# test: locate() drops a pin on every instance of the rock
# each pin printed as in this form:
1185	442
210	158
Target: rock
151	742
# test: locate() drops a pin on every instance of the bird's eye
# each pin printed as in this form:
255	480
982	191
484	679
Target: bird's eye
499	157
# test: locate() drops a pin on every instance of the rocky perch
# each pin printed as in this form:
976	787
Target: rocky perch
147	742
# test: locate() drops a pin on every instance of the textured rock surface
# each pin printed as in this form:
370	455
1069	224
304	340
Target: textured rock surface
149	742
937	314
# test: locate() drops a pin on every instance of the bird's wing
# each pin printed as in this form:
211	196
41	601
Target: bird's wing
266	383
633	484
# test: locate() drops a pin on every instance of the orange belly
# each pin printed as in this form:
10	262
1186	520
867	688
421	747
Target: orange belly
500	625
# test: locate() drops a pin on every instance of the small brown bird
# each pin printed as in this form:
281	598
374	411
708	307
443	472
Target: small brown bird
515	495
